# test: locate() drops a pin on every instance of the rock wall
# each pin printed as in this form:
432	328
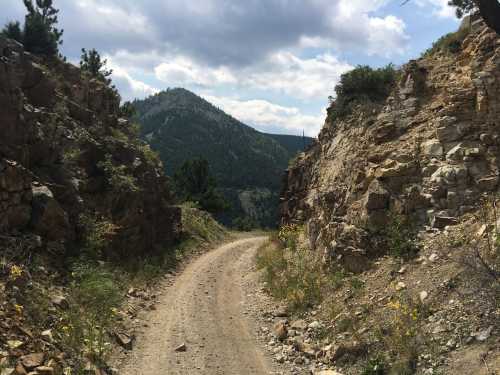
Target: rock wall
66	151
430	151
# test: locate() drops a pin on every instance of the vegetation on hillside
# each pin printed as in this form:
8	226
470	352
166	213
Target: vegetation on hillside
449	44
181	126
194	183
360	86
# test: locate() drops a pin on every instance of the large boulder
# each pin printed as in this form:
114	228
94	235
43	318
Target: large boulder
377	197
49	219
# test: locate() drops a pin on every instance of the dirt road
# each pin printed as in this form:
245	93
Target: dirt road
203	309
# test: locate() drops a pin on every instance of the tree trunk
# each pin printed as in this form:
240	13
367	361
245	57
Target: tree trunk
490	11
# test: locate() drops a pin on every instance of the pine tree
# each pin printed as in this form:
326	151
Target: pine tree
40	33
13	30
462	6
92	63
193	182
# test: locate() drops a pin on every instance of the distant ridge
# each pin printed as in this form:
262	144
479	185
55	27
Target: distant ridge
246	163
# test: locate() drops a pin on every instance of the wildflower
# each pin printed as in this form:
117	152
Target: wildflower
19	309
66	329
394	305
15	272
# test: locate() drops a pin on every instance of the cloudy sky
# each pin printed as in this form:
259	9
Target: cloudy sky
269	63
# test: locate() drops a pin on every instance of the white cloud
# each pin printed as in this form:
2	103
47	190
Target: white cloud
182	71
301	78
283	72
353	25
265	115
129	87
440	8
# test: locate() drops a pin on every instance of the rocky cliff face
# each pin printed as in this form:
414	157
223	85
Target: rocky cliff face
430	151
65	152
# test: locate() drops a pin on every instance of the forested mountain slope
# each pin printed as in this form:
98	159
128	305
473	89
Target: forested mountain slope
246	164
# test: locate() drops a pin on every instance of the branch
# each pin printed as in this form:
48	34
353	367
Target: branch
490	11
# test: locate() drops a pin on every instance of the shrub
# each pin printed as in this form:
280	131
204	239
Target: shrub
293	273
95	295
97	234
289	236
484	255
403	336
450	43
127	110
13	31
118	178
400	236
362	85
199	224
245	224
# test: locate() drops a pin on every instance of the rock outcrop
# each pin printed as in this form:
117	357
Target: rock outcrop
65	151
430	151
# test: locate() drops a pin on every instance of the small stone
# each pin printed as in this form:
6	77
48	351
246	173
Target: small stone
443	221
400	286
281	331
124	340
20	370
423	296
14	344
281	312
315	325
181	348
433	257
484	334
32	361
47	335
402	269
60	302
299	325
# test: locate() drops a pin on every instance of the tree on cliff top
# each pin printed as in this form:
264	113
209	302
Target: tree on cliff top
360	86
41	36
92	63
13	30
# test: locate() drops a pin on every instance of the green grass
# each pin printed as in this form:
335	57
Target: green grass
293	273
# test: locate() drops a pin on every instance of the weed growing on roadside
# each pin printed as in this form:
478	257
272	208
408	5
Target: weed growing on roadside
97	234
291	272
289	235
403	336
95	295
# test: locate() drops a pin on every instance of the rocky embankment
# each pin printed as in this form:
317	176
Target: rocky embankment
431	151
69	162
66	150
